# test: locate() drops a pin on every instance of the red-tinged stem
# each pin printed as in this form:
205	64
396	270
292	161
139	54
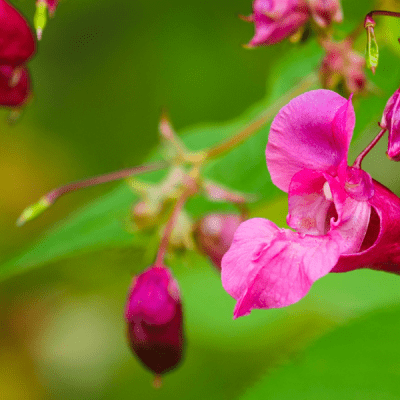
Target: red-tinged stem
52	196
170	226
383	12
359	159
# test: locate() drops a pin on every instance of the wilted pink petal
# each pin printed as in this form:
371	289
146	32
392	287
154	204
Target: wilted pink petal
391	122
274	20
307	134
52	6
17	42
154	315
14	94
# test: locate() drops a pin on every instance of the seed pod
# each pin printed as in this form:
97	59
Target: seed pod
155	323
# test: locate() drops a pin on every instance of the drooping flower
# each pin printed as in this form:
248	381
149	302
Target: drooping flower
342	64
391	122
154	316
17	46
343	220
214	235
275	20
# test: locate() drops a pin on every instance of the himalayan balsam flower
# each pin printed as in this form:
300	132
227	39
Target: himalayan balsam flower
325	12
391	122
275	20
342	63
154	316
17	45
214	235
343	219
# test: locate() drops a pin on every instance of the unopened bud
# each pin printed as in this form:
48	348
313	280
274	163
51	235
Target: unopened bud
155	323
145	215
391	122
214	235
40	18
372	45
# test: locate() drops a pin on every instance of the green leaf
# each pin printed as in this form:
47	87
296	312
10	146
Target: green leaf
356	362
103	223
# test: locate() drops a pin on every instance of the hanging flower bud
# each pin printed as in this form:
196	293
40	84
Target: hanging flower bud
214	234
342	64
154	315
324	12
391	122
17	45
276	20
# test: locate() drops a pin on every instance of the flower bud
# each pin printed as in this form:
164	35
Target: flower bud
154	316
214	235
276	20
391	122
342	64
324	12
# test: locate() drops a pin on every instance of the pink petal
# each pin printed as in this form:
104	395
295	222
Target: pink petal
308	205
269	267
312	131
381	245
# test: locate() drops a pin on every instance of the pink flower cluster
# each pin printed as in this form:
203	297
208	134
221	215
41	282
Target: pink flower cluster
343	220
275	20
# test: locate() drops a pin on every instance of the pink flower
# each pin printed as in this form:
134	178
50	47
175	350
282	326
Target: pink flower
342	63
154	315
17	46
391	122
214	235
326	11
343	220
275	20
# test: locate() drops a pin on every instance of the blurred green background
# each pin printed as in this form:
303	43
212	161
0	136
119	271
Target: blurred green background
103	72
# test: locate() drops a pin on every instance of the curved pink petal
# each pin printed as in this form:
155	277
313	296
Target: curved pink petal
313	131
269	267
380	249
308	204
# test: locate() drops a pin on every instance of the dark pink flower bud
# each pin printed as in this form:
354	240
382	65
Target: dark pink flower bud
342	64
324	12
214	234
391	122
52	6
275	20
17	43
14	86
154	315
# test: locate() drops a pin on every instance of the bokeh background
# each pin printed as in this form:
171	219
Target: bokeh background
103	72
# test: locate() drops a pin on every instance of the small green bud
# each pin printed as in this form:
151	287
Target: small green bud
372	45
33	211
40	18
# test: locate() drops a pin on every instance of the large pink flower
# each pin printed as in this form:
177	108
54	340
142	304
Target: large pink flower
343	220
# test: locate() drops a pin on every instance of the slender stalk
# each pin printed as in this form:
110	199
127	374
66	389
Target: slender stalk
359	159
48	199
384	12
241	136
170	226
